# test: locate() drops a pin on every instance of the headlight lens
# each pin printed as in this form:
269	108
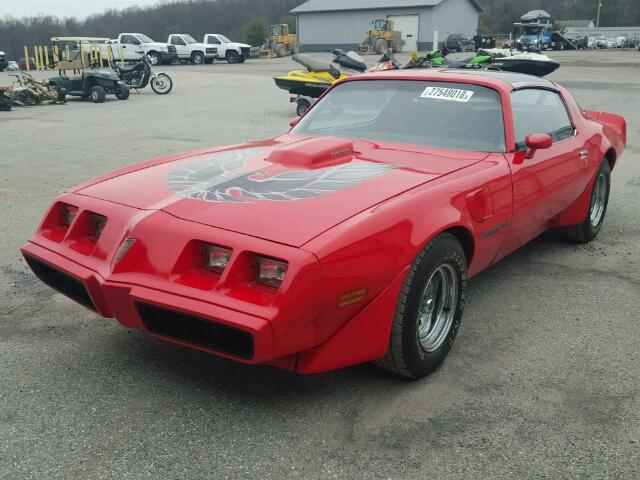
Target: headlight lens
216	257
270	272
69	212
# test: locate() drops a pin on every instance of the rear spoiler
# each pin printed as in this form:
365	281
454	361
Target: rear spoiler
615	127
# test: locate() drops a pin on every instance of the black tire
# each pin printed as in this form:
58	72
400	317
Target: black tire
380	46
280	50
122	91
61	97
232	56
405	354
5	104
589	229
241	59
97	94
197	58
303	106
208	61
154	58
161	84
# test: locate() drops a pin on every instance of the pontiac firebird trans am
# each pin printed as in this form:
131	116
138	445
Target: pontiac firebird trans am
350	238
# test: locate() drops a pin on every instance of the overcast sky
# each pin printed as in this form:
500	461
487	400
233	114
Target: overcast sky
64	8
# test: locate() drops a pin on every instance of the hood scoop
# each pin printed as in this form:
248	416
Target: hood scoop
314	153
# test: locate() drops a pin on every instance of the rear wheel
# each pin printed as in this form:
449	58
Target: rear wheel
197	58
97	94
61	97
589	229
232	56
428	310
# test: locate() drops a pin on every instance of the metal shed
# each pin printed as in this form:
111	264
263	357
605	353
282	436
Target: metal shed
326	24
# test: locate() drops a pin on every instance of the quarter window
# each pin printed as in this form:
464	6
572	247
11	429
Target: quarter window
539	111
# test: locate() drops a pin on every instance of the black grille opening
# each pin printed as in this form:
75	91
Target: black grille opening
245	51
60	281
198	331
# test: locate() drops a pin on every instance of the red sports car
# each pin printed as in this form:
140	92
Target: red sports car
350	238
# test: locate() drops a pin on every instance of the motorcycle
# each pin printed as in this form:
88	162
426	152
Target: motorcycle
141	74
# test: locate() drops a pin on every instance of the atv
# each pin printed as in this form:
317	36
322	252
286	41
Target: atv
93	82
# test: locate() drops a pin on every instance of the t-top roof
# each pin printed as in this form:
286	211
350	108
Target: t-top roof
337	5
495	78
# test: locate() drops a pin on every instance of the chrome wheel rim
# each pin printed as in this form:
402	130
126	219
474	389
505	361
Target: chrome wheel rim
161	83
153	59
598	200
437	307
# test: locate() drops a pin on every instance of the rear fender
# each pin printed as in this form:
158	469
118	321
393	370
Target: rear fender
615	128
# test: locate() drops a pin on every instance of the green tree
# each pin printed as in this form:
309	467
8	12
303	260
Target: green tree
256	33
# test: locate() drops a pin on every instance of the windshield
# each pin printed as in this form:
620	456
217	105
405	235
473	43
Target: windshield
189	39
143	38
527	30
224	39
436	114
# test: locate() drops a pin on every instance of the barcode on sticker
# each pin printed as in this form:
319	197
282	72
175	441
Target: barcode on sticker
453	94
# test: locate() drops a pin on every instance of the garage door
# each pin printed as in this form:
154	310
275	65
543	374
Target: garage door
408	25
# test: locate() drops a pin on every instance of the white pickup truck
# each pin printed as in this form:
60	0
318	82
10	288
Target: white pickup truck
135	45
189	50
225	49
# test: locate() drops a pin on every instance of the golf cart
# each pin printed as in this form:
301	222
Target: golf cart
92	81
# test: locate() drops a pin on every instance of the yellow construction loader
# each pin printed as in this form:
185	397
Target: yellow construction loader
381	38
280	43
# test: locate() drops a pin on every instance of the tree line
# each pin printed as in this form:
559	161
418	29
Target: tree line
248	20
237	19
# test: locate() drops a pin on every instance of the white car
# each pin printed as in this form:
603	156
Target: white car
189	50
232	52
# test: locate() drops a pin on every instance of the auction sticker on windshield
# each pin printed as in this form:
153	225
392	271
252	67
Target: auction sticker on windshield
453	94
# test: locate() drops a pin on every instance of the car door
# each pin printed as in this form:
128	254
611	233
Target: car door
181	46
217	44
549	180
131	47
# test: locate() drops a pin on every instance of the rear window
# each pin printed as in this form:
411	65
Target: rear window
438	114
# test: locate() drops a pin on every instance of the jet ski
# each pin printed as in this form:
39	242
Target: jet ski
318	75
510	61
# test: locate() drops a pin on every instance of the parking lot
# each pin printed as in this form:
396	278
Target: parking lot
543	380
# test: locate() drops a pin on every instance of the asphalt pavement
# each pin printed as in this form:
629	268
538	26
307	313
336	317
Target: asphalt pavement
542	382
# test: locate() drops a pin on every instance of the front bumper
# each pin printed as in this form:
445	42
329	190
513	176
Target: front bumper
168	57
174	318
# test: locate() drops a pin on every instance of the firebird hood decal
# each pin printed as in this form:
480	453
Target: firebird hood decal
229	177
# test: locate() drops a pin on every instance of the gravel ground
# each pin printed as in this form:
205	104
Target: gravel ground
542	381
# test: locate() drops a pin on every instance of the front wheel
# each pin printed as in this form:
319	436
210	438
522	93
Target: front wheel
232	56
154	58
161	84
589	229
122	91
428	310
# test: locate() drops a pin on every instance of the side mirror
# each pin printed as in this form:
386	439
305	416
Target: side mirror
294	122
538	141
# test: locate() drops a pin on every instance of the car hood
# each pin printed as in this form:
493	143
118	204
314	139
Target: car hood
287	190
237	45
